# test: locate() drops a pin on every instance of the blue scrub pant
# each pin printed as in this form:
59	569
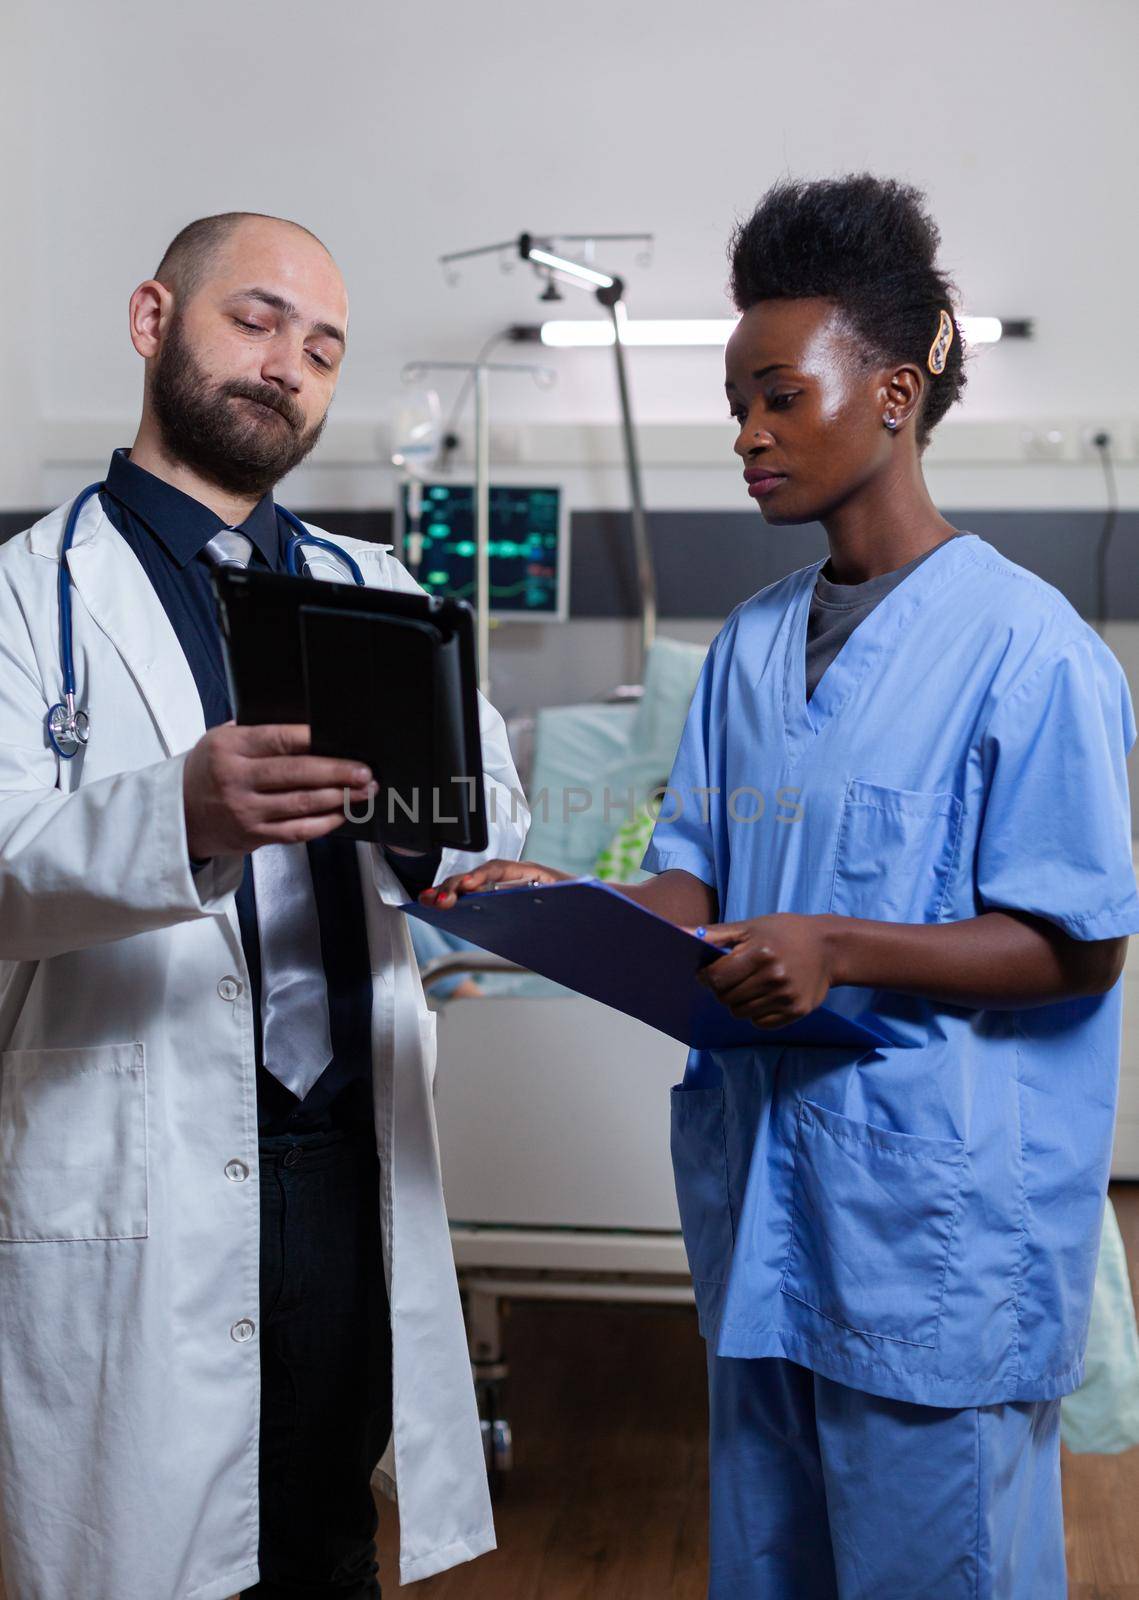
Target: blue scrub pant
820	1492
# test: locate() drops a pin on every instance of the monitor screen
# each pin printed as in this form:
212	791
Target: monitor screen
529	547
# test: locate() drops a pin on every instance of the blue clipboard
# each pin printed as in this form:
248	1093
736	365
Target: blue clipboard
590	937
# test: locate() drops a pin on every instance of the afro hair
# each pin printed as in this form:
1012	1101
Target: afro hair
868	245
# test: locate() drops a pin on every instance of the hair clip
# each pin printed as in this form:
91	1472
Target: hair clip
939	349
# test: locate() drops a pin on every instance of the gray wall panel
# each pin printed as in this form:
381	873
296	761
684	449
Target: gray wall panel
707	561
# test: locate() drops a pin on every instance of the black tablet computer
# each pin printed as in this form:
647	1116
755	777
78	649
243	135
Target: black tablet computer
382	677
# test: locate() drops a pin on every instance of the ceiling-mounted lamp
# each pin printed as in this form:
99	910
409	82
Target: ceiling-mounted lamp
575	271
609	290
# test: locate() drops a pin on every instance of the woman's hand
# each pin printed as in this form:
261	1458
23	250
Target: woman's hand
489	876
776	970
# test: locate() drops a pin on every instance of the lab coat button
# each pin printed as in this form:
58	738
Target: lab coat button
230	988
242	1331
236	1171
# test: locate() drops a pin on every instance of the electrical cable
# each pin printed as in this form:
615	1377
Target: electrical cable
1102	443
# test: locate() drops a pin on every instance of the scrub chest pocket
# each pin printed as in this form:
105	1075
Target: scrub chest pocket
873	1216
895	852
73	1144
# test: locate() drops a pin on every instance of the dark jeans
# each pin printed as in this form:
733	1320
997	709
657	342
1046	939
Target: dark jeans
325	1366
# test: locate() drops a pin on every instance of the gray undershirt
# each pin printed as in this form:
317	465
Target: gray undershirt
838	608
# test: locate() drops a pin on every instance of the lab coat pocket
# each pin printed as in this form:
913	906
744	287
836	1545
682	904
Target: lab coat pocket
700	1166
73	1147
872	1225
895	852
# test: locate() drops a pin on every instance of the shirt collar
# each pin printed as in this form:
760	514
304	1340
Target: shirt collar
180	523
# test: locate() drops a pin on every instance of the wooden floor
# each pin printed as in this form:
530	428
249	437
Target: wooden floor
608	1496
1101	1493
607	1499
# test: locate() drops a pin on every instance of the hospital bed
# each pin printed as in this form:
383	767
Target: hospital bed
553	1119
553	1111
1125	1159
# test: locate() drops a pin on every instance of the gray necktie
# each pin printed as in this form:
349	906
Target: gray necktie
295	1034
229	549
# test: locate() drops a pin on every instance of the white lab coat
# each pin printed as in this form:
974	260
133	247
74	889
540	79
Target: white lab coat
129	1218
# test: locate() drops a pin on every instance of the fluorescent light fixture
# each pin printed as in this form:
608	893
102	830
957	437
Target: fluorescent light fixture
570	334
980	330
571	269
564	334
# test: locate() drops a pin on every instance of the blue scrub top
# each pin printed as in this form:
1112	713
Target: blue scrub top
920	1223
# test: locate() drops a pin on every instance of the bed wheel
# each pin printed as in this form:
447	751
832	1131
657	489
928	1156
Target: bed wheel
497	1437
503	1445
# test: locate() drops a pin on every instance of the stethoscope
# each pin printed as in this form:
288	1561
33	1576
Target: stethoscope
69	729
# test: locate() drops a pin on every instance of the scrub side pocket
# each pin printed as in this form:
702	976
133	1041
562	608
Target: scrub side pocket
73	1161
895	852
872	1225
700	1167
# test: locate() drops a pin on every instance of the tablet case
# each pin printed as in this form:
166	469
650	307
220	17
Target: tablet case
382	676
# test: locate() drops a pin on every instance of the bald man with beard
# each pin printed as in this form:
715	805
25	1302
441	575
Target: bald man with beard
226	1281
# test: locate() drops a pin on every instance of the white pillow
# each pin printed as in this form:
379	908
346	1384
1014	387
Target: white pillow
581	753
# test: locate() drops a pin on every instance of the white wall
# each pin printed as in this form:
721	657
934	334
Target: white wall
401	131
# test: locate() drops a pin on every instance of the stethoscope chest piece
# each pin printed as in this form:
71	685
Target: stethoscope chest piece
67	729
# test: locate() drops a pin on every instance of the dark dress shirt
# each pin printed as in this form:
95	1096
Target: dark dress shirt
168	530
